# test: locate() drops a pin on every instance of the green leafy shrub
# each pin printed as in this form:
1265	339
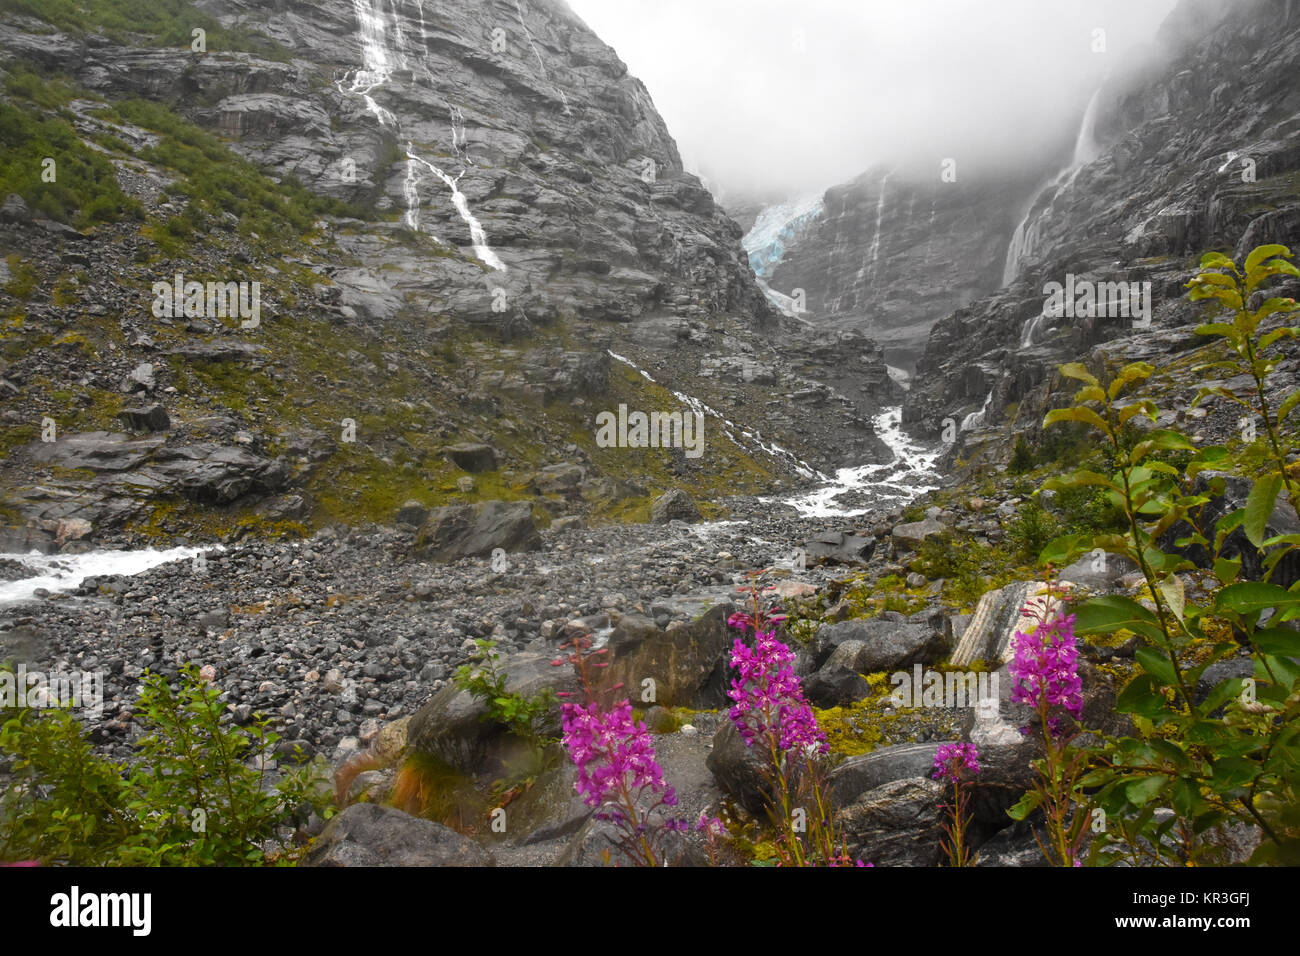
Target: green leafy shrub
190	798
1031	531
526	717
1022	458
1233	756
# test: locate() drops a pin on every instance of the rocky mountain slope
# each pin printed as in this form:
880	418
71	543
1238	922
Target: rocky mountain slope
441	221
1198	150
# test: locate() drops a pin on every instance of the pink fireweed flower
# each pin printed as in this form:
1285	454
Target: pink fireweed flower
768	696
1045	668
613	754
953	760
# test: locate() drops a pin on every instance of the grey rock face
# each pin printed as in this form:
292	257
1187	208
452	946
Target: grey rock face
465	531
839	547
366	834
676	505
880	644
472	457
149	418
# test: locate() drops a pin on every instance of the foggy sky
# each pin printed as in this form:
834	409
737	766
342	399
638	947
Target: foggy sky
989	84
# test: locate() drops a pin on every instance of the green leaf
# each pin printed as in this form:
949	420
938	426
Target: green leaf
1077	371
1227	569
1233	772
1259	507
1143	790
1137	372
1217	260
1260	253
1157	665
1141	698
1171	589
1278	641
1216	328
1026	805
1085	415
1224	691
1247	597
1288	405
1105	615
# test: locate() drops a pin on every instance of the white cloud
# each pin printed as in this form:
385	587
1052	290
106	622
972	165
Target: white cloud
916	80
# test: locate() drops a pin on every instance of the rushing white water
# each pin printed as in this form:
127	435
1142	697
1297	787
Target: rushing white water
730	428
910	473
476	234
976	419
1024	241
64	572
1086	146
1029	331
384	50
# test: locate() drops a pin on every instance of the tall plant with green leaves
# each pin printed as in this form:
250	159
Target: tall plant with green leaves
1233	755
194	795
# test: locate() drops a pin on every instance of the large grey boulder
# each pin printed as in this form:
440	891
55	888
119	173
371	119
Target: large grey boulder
472	456
687	664
839	681
367	834
676	505
839	547
473	531
911	536
887	643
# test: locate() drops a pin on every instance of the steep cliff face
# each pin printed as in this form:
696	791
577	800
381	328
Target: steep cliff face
866	256
506	130
1198	149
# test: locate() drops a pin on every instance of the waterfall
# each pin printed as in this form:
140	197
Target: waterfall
976	419
1029	331
381	57
1086	147
1024	240
880	215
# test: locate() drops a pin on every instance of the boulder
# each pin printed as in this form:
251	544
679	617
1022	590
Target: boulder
998	615
887	642
687	664
1099	573
896	824
412	513
839	547
563	479
452	728
911	536
367	834
839	681
676	505
141	379
145	418
738	769
473	457
475	531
